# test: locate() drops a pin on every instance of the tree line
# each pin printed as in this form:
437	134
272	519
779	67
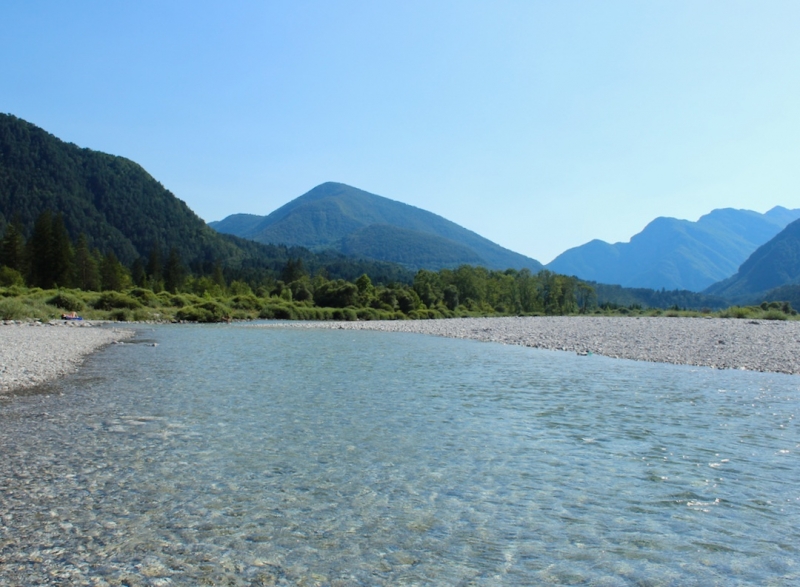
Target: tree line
49	259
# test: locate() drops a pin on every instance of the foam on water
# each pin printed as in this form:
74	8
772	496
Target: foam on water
240	456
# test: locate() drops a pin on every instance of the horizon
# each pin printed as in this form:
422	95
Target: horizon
540	127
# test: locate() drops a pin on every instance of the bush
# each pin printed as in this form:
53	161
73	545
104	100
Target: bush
775	315
277	312
736	312
336	294
120	315
348	314
145	296
9	277
66	302
208	311
113	300
12	309
246	302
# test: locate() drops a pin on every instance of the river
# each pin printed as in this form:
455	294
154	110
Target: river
233	455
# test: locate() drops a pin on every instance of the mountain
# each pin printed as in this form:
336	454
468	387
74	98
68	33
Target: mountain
773	266
677	254
346	219
119	207
110	199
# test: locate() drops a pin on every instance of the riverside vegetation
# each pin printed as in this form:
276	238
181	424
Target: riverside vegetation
47	274
463	292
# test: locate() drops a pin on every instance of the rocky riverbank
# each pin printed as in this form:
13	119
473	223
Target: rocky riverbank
32	353
756	345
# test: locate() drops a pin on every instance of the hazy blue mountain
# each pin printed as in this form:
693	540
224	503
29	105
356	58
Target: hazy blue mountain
236	223
677	254
772	266
355	222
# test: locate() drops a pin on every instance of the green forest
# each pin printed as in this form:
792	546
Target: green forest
161	286
47	275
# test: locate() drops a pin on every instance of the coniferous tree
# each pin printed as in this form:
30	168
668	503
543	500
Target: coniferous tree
38	252
85	274
218	277
12	248
154	269
138	273
49	252
293	271
174	273
60	252
113	275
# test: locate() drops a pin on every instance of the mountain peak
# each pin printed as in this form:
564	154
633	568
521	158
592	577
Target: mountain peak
677	254
335	215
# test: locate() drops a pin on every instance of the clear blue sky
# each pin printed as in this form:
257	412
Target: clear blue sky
539	125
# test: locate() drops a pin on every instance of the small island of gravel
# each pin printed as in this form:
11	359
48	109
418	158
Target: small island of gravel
755	345
32	353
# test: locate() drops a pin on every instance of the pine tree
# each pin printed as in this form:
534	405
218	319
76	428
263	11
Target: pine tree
84	267
113	275
38	252
12	248
60	252
174	273
138	273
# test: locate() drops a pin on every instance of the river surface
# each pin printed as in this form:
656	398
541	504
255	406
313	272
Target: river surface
237	455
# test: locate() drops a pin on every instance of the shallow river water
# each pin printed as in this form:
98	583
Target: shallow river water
237	455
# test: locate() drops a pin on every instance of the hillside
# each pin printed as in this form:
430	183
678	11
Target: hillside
110	199
343	218
677	254
771	267
119	207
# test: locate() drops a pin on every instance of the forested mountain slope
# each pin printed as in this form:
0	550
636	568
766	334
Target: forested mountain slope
340	217
774	265
112	200
677	254
120	208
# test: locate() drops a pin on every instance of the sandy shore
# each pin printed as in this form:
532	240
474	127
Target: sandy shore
756	345
33	353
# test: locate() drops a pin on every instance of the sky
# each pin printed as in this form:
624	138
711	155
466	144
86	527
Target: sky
540	125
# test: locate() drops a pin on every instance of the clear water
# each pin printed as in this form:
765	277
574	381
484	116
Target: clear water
233	455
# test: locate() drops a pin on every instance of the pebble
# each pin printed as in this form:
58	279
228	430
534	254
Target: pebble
721	343
32	353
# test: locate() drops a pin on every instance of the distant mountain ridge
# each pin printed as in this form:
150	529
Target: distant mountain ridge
360	224
773	267
677	254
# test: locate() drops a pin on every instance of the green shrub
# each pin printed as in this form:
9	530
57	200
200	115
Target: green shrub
207	311
67	302
245	302
120	315
348	314
736	312
9	277
13	309
145	296
774	315
277	312
113	300
13	291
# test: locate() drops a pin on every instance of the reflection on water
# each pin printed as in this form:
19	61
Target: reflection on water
243	456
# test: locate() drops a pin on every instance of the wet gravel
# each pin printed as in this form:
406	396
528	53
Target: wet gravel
754	345
32	353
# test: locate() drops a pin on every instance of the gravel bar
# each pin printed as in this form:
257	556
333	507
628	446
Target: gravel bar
33	353
754	345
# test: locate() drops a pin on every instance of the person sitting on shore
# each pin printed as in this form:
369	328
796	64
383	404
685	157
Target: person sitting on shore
70	316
